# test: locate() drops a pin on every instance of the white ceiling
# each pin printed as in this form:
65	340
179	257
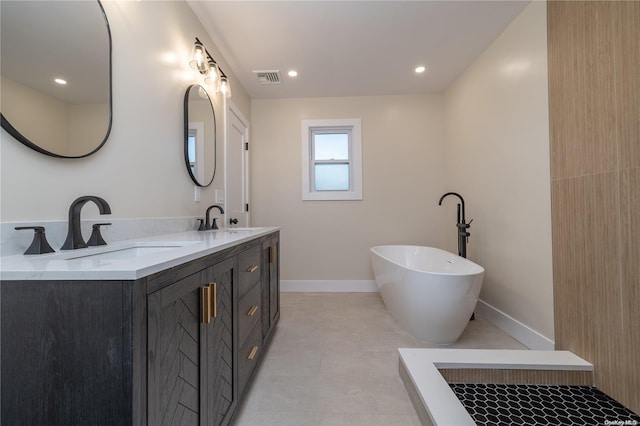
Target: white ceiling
353	48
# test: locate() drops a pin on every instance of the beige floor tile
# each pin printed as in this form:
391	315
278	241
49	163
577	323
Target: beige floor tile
333	361
319	394
281	418
342	419
283	363
360	364
304	340
391	395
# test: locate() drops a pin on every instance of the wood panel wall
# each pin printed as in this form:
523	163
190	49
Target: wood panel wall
594	108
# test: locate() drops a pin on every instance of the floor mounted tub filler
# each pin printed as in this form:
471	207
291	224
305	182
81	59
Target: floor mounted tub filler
432	293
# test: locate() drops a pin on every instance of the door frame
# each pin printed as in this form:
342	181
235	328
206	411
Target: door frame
231	108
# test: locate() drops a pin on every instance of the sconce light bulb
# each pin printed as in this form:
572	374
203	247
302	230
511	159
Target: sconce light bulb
224	87
212	74
203	67
198	58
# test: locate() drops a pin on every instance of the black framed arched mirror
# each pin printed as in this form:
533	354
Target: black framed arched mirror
199	135
56	75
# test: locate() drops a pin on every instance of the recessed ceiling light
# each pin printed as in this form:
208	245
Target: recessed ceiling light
60	81
293	73
420	69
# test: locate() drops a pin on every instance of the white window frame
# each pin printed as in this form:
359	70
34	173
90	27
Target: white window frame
355	160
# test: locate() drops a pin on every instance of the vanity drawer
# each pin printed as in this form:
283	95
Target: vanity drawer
249	267
249	356
249	312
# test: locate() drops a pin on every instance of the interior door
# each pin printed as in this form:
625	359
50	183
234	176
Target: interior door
237	168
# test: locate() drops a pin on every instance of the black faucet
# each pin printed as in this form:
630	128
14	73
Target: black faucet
74	235
462	226
213	225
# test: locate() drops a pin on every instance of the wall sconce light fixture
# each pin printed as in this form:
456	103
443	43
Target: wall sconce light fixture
204	63
198	57
212	73
224	87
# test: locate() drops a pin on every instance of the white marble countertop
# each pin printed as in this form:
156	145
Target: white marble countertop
125	260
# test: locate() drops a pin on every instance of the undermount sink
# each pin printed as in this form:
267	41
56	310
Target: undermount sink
130	251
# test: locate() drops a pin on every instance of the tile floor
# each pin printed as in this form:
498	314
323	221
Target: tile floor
333	361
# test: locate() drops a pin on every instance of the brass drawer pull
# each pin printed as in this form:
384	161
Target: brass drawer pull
252	268
205	305
252	311
252	354
272	254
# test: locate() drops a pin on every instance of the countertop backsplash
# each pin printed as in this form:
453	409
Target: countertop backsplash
14	242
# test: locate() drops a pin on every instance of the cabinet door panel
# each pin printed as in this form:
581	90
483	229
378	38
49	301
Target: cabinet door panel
266	291
274	282
175	353
221	336
270	285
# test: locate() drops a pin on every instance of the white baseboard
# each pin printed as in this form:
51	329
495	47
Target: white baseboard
519	331
331	286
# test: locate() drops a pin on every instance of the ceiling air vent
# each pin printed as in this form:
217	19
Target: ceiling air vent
268	77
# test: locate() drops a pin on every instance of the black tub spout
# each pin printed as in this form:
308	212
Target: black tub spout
460	216
461	224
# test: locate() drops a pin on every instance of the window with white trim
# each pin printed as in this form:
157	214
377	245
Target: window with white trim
332	159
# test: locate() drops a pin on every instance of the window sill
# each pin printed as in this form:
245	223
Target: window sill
332	196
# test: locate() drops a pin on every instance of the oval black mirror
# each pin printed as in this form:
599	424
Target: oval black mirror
56	75
199	135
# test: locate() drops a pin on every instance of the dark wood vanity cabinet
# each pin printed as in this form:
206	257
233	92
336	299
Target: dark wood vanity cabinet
190	355
66	353
177	347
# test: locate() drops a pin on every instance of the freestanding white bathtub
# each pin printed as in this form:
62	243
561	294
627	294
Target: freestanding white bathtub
430	292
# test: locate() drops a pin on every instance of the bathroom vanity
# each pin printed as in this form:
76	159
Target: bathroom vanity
166	330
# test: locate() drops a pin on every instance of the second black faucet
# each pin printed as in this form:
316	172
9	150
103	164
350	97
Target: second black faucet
213	225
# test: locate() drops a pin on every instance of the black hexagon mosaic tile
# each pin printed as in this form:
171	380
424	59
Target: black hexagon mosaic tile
516	404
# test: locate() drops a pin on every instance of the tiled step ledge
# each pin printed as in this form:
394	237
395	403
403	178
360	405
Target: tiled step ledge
435	402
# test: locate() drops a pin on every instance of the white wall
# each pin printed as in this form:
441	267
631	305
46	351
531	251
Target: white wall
87	127
140	171
487	137
403	177
21	105
57	126
497	157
